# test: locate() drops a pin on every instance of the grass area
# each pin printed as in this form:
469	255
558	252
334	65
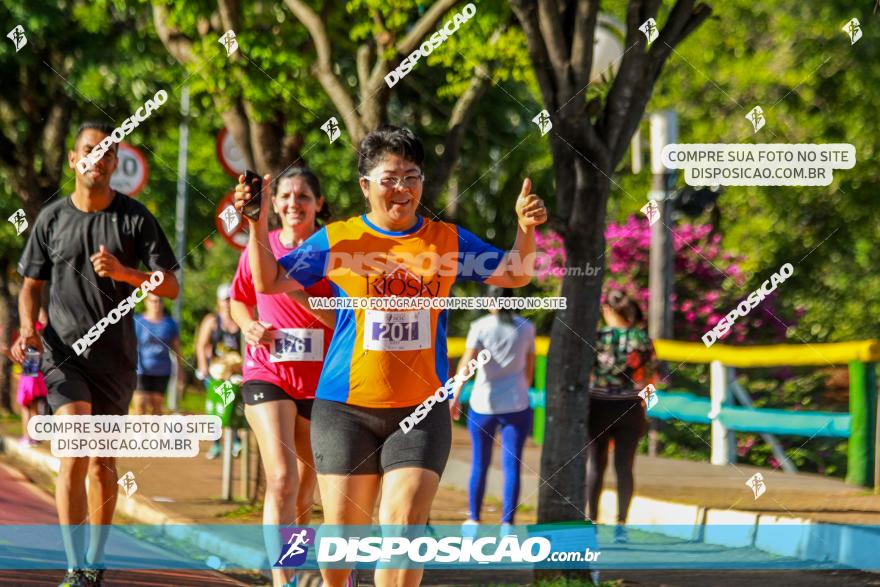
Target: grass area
246	510
9	416
193	401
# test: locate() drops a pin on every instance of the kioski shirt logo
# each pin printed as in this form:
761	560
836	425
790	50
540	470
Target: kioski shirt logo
401	282
296	546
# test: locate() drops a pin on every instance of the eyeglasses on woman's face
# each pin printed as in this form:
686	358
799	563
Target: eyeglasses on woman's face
392	182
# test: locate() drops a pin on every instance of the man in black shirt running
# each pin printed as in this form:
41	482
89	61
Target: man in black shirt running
88	247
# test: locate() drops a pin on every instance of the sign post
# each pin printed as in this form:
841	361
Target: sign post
180	223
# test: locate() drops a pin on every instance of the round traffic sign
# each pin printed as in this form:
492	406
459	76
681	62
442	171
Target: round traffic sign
230	224
132	172
230	156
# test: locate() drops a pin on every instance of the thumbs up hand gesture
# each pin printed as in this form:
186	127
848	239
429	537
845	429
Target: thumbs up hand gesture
530	209
106	265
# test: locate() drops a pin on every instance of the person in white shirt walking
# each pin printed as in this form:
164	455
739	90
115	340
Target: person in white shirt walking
500	398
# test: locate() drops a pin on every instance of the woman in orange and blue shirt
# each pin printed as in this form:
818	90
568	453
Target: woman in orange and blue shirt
382	364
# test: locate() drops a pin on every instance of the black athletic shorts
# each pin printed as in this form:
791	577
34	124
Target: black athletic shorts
351	440
152	383
109	393
258	392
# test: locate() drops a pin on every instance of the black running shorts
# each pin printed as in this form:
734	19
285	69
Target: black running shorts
152	383
351	440
109	393
257	392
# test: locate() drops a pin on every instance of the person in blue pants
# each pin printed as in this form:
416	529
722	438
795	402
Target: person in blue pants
500	398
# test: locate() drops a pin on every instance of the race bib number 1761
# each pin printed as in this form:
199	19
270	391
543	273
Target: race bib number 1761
297	344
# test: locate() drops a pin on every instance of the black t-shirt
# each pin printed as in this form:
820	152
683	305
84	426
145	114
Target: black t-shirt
58	250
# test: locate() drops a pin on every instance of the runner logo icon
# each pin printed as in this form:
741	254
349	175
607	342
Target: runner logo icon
296	546
543	121
19	39
19	220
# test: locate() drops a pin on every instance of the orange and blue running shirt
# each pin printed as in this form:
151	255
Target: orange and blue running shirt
388	359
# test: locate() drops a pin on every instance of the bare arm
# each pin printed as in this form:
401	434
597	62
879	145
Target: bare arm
203	343
107	265
268	275
169	288
28	311
461	369
241	313
254	331
175	346
327	317
518	265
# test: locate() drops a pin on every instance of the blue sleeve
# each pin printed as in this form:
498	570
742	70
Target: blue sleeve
173	330
138	328
477	259
307	264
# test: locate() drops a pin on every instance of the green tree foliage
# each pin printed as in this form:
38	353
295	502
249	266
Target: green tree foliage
793	59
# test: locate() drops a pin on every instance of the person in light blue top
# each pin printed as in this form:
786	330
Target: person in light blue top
157	335
500	398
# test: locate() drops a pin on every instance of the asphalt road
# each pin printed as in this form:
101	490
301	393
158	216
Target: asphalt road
21	503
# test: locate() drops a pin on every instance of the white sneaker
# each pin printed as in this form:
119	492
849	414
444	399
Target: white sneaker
470	528
507	529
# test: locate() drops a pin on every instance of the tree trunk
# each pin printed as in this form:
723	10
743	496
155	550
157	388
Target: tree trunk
563	459
560	37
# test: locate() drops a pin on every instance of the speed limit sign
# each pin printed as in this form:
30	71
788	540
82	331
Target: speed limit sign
230	155
230	225
131	173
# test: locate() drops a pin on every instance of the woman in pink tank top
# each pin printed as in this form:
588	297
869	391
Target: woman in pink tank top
286	345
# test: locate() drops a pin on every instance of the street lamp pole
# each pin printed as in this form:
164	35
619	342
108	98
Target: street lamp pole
664	131
180	227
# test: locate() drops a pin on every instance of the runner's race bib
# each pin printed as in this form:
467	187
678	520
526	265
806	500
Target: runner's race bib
297	344
397	331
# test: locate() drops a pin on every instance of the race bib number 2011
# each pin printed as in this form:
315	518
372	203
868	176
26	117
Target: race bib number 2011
397	331
297	344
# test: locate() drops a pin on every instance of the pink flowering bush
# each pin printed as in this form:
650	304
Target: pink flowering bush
708	280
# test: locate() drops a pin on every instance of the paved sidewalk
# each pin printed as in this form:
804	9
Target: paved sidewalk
190	488
187	491
803	495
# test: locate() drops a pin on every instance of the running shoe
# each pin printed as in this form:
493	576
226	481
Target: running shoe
594	577
507	529
236	448
620	534
470	528
213	452
293	582
75	578
95	577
